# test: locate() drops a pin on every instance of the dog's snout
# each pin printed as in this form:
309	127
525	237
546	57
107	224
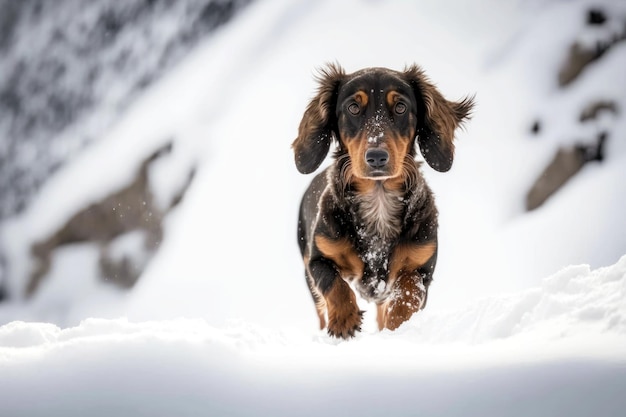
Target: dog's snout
376	158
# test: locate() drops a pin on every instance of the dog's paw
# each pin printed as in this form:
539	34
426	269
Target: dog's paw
398	314
400	309
344	316
345	322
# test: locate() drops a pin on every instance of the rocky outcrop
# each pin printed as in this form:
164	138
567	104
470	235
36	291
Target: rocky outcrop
581	55
130	211
570	159
566	163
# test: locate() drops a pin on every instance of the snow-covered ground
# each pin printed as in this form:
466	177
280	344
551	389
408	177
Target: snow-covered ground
527	313
552	350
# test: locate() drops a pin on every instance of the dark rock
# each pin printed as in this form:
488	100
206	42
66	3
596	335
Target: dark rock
567	162
581	56
578	58
129	209
592	111
595	17
536	127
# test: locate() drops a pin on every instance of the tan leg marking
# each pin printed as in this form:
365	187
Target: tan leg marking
407	299
344	316
408	294
407	258
342	254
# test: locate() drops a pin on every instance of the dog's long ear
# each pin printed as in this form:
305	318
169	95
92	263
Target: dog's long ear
319	122
435	131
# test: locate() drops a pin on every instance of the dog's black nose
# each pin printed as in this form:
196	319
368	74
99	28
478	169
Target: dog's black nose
376	158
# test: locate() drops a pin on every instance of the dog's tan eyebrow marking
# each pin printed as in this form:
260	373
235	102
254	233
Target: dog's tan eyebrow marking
361	97
393	96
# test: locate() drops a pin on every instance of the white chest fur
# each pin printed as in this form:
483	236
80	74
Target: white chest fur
380	210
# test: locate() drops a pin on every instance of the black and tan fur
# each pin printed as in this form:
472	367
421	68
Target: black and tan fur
369	221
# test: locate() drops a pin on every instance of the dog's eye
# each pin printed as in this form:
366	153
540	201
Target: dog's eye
354	108
400	108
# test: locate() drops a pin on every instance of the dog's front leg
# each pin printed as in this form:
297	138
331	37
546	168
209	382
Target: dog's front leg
412	266
331	261
408	297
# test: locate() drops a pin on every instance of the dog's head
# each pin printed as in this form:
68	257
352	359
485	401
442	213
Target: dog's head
377	116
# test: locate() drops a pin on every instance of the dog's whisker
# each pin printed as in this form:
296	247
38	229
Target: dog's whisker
345	172
411	172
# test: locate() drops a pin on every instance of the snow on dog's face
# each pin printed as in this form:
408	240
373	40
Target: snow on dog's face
376	119
377	115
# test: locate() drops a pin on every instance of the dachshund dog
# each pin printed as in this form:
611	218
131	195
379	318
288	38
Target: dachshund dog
369	221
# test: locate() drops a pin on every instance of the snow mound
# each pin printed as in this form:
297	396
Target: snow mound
557	348
575	303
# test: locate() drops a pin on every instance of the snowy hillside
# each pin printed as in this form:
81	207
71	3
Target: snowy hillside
527	313
69	69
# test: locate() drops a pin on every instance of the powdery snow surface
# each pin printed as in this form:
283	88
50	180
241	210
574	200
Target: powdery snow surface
527	313
557	349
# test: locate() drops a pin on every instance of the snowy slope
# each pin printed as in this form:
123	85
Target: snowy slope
221	320
69	69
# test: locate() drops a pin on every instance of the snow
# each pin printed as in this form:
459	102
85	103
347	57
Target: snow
555	349
527	313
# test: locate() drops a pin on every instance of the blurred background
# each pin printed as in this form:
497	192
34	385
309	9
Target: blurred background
146	169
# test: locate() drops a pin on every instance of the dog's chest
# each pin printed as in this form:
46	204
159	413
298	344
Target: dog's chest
379	213
378	221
